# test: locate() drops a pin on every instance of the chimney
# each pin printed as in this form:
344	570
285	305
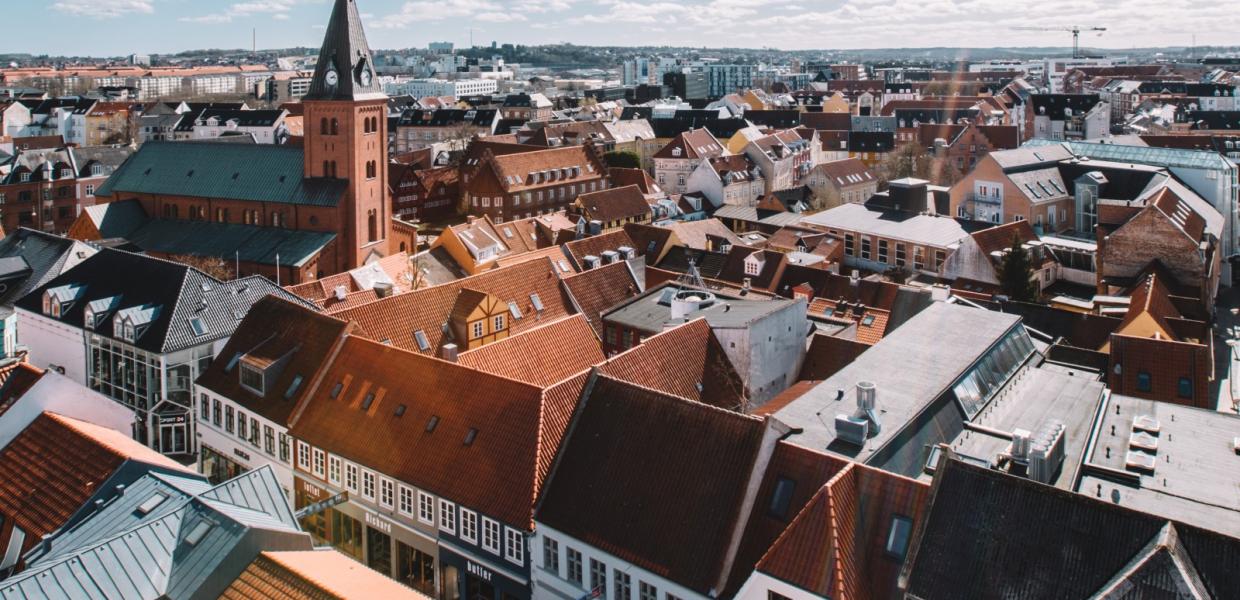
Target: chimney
863	423
855	278
449	352
383	289
340	292
746	283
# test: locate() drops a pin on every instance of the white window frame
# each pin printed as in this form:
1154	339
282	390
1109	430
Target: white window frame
387	488
405	505
490	535
303	456
351	474
469	525
320	463
333	470
447	516
426	508
368	477
514	546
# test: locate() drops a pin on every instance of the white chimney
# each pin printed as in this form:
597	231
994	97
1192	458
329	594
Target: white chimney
449	352
855	278
341	292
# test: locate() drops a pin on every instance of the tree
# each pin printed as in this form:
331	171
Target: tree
1016	273
622	159
211	265
912	160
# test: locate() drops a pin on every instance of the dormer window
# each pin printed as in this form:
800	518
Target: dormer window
127	331
96	170
24	177
251	378
676	152
476	329
51	306
88	319
66	173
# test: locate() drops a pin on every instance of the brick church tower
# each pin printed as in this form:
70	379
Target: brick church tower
346	137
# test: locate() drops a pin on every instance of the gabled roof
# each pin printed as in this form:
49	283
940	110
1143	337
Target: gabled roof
596	291
297	339
1055	543
520	171
191	543
515	426
695	234
634	443
686	361
345	50
181	295
31	258
999	238
614	204
596	245
694	144
847	172
639	177
541	356
56	463
398	318
322	574
218	170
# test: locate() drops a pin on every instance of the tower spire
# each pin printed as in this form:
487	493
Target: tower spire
345	70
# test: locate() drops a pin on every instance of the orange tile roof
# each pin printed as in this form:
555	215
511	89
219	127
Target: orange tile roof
322	291
614	204
517	426
686	361
598	290
397	318
541	356
313	575
693	144
15	380
871	322
999	238
514	171
55	464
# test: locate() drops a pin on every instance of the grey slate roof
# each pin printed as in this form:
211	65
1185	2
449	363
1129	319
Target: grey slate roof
345	49
993	535
119	551
258	173
42	255
649	312
181	293
248	243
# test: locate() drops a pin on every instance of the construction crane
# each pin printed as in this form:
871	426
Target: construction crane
1074	29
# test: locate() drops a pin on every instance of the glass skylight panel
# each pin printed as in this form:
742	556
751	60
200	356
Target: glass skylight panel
423	343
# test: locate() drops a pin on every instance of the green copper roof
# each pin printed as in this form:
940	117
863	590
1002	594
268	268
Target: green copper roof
260	173
249	243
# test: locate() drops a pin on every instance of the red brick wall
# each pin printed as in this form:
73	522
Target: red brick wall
1166	362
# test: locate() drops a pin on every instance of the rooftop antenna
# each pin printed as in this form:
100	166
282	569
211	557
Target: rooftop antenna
691	276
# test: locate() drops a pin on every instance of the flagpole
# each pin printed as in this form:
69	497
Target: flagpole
277	269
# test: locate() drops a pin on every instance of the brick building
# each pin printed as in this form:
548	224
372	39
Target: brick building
330	196
46	188
527	184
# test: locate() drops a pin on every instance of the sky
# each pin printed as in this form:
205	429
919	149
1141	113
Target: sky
121	27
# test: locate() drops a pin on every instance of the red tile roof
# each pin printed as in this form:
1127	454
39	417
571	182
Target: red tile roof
517	426
15	380
846	172
541	356
313	575
515	172
836	545
999	238
322	291
871	323
827	355
577	250
644	476
597	290
686	361
639	177
648	240
271	330
427	310
693	144
55	464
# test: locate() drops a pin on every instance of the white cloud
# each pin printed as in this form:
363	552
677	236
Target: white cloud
276	9
103	9
418	11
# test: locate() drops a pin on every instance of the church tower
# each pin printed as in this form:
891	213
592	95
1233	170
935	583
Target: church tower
346	137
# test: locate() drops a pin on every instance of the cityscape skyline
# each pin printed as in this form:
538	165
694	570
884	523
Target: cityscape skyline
171	26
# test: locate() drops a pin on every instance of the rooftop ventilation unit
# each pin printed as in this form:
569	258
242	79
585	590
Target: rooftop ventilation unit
610	256
863	423
1046	452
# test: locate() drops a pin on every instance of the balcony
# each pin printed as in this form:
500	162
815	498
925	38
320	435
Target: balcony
975	198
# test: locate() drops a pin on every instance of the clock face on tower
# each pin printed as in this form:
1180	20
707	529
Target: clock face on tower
365	76
331	78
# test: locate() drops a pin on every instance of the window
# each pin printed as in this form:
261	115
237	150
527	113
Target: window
251	378
477	330
901	258
387	492
551	555
447	516
897	538
598	578
623	584
368	485
752	267
469	525
865	247
228	421
490	535
514	545
333	470
406	501
781	498
574	565
426	508
498	323
645	591
284	447
215	412
303	456
319	459
204	405
882	251
1184	388
1143	381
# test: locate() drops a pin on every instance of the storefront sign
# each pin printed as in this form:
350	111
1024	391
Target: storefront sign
172	419
478	570
243	455
378	523
313	491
